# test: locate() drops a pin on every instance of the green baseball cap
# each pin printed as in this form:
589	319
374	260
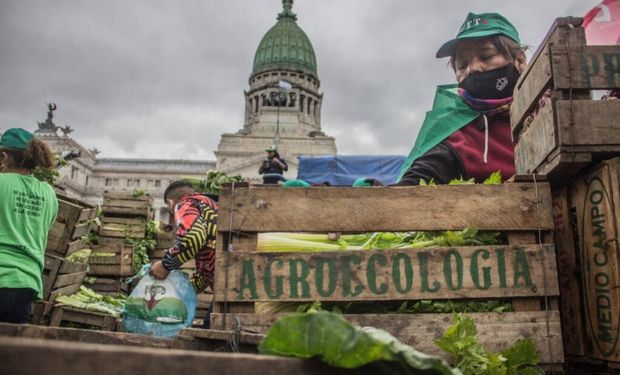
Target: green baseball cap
271	148
15	139
480	25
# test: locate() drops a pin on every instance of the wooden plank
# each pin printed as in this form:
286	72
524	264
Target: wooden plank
51	267
495	331
110	269
213	334
531	86
537	142
109	242
54	236
571	306
80	230
69	279
586	67
86	214
75	245
394	208
524	304
437	273
594	122
68	212
72	267
84	336
596	198
62	358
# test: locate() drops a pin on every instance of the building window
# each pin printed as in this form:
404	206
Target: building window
86	180
73	172
157	183
108	182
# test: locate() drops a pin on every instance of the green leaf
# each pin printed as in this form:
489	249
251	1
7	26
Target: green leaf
494	179
334	340
521	356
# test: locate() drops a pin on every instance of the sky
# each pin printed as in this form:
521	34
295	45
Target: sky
164	79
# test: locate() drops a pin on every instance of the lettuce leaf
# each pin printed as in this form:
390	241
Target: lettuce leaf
334	340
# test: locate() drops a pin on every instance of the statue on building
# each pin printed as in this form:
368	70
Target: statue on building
48	126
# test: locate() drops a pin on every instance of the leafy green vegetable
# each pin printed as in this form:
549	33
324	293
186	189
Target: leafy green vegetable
460	340
494	179
334	340
87	299
213	183
80	256
137	193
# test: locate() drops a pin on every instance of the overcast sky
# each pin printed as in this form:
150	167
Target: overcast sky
164	79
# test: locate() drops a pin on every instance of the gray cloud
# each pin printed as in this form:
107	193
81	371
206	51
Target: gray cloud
151	78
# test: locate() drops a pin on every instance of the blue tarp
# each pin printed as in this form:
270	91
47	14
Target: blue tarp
344	170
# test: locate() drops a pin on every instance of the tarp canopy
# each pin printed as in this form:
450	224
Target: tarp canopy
344	170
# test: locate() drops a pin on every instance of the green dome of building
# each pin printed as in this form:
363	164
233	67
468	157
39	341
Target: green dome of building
285	46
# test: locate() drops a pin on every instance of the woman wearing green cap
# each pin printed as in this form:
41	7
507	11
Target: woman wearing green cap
467	133
28	209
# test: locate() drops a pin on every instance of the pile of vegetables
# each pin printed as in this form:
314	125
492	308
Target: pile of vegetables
308	242
87	299
332	339
213	183
144	246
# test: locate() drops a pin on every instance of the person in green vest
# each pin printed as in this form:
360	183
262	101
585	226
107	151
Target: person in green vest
467	133
28	208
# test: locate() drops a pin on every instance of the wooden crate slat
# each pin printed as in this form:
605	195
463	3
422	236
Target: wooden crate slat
585	67
81	229
69	279
72	267
258	209
62	358
435	273
68	212
537	143
87	214
495	331
66	314
75	245
594	122
531	86
569	277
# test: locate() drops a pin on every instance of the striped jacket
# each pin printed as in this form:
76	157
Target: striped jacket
196	226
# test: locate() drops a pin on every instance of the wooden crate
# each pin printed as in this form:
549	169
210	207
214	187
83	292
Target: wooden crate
61	276
523	271
571	131
595	201
125	205
63	315
121	264
72	222
120	227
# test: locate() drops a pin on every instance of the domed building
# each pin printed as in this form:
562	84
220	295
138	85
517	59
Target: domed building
282	106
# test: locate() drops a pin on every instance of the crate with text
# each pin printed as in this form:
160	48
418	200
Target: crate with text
523	270
557	128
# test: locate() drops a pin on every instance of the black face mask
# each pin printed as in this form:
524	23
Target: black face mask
493	84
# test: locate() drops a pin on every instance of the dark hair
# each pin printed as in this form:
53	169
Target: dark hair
177	189
36	154
507	47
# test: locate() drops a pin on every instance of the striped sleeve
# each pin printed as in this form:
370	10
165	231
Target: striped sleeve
196	228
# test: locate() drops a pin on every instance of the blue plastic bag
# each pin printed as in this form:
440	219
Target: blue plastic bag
160	307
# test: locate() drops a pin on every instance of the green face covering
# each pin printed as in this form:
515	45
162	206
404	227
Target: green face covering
449	114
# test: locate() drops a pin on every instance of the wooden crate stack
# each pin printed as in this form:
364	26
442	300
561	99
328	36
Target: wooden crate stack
523	271
123	216
575	141
60	276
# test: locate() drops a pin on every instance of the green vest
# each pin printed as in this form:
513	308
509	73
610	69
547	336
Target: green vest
449	114
28	208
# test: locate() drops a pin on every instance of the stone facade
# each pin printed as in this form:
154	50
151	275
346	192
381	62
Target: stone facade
86	178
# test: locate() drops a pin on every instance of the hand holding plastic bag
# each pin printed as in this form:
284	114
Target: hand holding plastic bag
160	307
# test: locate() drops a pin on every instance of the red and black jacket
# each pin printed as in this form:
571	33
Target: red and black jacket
461	155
